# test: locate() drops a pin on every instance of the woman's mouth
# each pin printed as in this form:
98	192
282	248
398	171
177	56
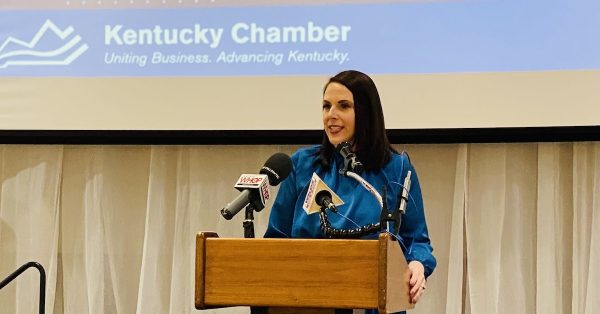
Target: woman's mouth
333	129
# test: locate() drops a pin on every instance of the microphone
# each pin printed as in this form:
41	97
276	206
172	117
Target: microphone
317	188
324	199
352	168
254	188
277	168
403	194
351	163
254	191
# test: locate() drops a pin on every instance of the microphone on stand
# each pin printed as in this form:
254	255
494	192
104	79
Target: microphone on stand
325	199
318	189
254	188
351	162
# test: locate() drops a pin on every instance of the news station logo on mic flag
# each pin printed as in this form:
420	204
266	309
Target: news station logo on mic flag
310	205
258	182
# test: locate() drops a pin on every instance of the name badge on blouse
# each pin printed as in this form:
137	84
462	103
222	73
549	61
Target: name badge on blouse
316	185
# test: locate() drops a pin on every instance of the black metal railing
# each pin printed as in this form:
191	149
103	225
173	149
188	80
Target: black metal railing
22	269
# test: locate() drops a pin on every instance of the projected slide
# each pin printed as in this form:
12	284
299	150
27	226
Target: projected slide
201	47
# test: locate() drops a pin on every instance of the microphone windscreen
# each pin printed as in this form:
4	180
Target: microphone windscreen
277	168
322	196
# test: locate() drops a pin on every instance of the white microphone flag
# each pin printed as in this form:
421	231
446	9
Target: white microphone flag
310	205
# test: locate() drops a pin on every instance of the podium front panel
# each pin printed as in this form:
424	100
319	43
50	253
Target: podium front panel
291	273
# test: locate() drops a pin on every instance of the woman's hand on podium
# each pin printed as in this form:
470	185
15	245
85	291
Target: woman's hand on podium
417	280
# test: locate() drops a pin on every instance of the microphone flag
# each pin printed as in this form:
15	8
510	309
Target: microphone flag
310	205
257	182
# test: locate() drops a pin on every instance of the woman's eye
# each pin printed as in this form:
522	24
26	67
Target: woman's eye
326	106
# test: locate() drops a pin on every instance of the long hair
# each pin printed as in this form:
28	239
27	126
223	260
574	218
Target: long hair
371	143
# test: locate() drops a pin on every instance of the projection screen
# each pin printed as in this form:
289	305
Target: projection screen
261	65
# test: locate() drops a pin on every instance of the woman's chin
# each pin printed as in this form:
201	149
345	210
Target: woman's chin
336	140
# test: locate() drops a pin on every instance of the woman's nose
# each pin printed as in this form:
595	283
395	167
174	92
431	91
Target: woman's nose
332	113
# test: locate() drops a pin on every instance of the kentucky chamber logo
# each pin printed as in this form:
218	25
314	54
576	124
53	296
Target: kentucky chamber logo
49	46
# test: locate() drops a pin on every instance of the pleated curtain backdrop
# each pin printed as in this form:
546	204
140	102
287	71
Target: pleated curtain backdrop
515	227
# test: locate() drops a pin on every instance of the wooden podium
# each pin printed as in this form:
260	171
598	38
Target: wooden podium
301	275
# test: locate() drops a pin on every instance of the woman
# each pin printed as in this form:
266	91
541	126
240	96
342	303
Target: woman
352	112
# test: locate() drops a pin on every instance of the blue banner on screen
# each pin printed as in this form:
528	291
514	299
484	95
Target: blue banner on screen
432	37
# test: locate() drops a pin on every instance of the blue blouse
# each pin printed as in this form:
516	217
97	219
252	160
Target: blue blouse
288	218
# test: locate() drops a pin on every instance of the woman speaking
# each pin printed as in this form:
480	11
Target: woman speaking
352	113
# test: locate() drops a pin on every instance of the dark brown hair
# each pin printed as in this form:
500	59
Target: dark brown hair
371	144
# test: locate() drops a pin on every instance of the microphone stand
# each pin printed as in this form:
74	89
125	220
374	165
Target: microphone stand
333	233
249	222
386	218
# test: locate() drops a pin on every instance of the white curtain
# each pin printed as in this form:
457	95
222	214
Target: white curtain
515	227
